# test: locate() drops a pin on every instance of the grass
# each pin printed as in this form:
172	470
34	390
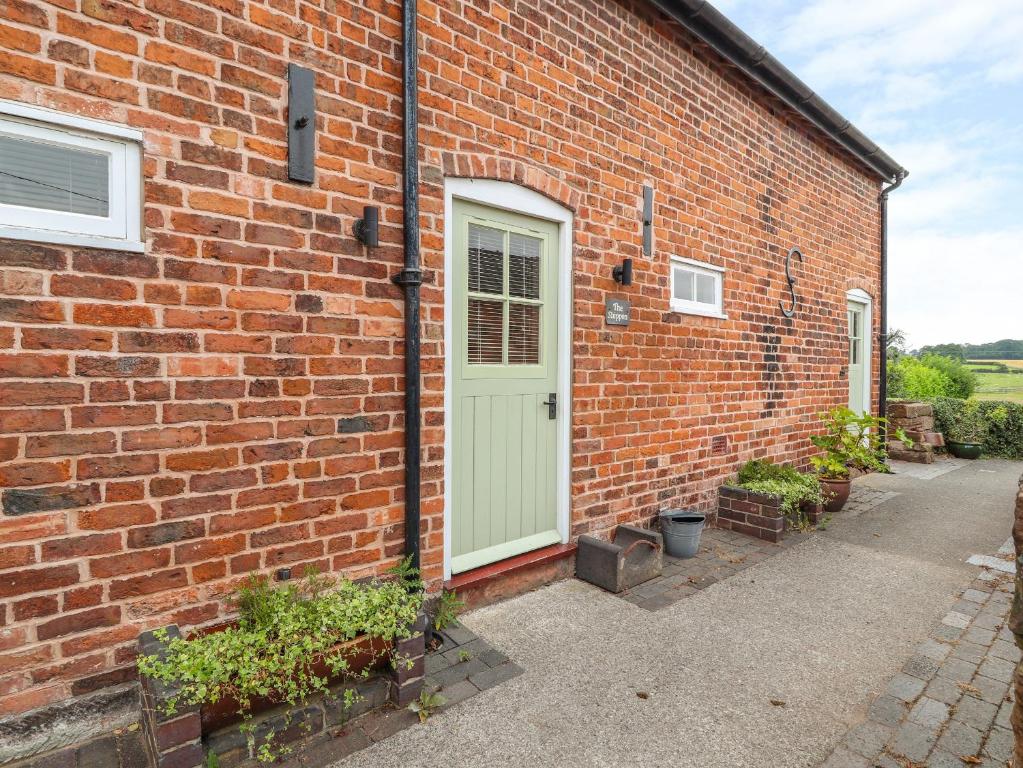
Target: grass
998	386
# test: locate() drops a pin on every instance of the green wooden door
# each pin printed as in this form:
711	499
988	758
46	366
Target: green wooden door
504	494
857	396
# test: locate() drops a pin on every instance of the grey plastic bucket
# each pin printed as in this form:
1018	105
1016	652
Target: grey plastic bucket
681	530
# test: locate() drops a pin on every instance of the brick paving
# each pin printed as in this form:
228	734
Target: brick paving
464	666
725	553
950	704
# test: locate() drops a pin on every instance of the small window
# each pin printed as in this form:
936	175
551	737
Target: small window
69	180
696	288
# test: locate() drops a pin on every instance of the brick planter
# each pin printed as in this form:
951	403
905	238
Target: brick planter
757	514
322	726
753	514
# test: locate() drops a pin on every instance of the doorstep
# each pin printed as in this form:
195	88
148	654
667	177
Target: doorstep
514	576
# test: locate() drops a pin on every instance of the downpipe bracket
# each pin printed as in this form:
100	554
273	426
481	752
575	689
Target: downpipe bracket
408	277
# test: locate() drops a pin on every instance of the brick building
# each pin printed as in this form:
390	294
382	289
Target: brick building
202	368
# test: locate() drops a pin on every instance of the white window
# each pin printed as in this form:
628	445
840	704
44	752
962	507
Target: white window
697	288
69	179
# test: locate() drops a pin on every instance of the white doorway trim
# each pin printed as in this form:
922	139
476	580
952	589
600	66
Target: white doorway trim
861	297
516	199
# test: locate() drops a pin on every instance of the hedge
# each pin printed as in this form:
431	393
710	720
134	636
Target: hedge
1005	434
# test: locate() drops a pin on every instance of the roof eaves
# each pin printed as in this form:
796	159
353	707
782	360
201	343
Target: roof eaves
712	27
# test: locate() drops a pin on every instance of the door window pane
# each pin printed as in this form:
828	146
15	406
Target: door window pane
35	174
486	259
524	266
486	331
523	334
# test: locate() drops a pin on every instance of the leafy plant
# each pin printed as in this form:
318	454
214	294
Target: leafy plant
464	656
426	705
851	441
970	425
1003	419
212	761
290	641
448	608
792	487
963	381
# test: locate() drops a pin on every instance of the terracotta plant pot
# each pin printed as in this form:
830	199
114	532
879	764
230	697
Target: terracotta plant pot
836	491
363	652
965	450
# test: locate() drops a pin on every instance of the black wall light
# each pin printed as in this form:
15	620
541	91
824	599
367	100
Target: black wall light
623	272
367	229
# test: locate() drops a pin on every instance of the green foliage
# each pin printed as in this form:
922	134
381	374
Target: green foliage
850	441
910	379
464	656
426	705
448	608
1006	349
284	633
962	380
212	761
793	487
953	351
1003	422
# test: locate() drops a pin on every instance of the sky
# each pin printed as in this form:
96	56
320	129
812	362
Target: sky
939	86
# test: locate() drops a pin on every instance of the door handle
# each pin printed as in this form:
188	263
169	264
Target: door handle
552	405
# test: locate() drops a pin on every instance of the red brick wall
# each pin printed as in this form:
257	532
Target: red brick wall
231	399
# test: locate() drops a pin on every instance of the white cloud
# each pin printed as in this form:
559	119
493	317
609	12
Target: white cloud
956	289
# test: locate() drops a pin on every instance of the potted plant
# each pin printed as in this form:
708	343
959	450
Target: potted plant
290	641
850	441
967	432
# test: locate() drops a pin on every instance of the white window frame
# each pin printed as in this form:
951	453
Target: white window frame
121	229
697	307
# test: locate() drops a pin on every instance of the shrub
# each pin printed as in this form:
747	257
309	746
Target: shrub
1003	423
963	380
910	379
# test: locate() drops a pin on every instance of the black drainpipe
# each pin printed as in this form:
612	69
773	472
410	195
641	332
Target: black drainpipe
882	405
411	277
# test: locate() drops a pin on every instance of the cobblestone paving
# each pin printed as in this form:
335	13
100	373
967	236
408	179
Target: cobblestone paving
950	704
927	471
726	553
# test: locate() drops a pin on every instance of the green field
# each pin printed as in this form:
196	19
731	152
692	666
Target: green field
998	386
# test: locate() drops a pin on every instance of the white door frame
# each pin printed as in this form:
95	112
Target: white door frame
861	297
516	199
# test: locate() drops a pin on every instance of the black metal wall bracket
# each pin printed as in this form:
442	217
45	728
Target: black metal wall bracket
301	124
648	221
408	277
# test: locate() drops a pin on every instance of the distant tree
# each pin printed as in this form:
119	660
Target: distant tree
1005	349
955	351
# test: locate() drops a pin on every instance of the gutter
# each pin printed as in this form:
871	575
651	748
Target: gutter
882	337
711	26
411	278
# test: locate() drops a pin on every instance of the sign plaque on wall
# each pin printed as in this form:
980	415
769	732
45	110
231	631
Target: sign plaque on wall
616	311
